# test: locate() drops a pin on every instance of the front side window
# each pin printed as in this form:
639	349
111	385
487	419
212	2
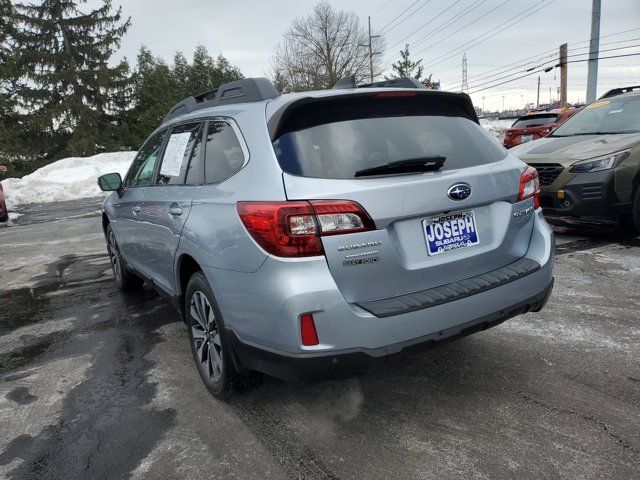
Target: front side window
141	172
179	153
224	155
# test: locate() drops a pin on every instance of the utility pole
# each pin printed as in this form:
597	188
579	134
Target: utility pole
371	52
538	97
563	75
503	103
483	105
594	51
550	99
465	83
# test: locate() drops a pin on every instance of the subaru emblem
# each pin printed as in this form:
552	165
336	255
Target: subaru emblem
459	191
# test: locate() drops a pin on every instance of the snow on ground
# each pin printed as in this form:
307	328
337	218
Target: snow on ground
496	127
67	179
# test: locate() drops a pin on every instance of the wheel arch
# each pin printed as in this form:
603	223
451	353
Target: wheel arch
186	266
105	223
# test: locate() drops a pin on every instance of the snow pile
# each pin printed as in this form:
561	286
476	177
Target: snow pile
496	127
67	179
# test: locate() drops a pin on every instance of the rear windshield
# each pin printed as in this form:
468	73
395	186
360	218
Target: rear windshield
534	121
339	149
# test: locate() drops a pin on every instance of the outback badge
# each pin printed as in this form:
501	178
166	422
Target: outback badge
459	191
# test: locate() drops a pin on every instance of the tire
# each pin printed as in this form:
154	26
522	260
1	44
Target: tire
631	220
4	218
209	344
125	280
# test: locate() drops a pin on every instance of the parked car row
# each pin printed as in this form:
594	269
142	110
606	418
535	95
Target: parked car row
535	125
590	164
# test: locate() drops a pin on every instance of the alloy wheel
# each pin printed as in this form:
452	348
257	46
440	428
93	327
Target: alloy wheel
114	254
206	336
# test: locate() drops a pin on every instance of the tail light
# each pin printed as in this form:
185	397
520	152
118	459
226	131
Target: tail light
530	186
293	229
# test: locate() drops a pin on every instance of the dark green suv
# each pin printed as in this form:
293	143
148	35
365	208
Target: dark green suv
590	165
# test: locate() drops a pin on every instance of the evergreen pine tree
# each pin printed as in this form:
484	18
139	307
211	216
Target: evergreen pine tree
155	92
158	87
9	129
405	67
72	98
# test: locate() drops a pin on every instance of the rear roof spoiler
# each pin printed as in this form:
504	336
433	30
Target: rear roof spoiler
403	82
455	103
620	91
240	91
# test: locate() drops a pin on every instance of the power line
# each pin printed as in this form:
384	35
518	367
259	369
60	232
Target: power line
540	56
381	8
542	69
547	68
516	65
458	16
463	27
424	25
395	18
604	58
465	45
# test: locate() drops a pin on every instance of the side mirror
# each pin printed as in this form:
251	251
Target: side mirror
111	182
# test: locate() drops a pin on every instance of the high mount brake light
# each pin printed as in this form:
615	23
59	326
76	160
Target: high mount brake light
394	94
529	186
293	229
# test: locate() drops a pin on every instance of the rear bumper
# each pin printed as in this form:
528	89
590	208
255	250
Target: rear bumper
586	194
263	308
314	367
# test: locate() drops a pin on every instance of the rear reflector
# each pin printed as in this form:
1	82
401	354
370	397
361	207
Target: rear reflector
530	186
293	229
308	330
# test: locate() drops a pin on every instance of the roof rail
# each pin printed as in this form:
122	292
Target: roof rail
240	91
619	91
403	82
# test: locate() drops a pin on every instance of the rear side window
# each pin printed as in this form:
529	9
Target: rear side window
224	155
143	167
179	153
340	148
534	121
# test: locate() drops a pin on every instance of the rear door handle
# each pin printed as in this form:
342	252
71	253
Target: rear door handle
175	211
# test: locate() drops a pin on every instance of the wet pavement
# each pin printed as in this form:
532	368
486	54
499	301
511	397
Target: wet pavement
98	384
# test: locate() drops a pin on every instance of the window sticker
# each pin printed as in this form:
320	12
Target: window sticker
174	154
601	103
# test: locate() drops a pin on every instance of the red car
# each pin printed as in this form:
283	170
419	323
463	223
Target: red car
4	215
535	125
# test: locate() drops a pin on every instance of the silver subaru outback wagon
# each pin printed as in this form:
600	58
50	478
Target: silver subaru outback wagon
312	235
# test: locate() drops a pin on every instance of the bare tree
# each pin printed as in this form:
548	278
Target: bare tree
319	49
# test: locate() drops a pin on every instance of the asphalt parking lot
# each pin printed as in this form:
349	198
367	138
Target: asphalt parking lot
97	384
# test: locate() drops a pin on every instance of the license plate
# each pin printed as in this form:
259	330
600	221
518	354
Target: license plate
452	231
526	138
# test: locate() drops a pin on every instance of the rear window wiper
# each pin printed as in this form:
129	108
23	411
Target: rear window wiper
424	164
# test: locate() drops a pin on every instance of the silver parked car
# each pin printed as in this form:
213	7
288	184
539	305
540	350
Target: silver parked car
312	235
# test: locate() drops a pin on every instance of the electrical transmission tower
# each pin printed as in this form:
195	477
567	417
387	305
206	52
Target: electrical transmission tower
465	83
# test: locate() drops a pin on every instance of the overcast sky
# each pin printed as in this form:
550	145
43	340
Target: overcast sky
247	31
